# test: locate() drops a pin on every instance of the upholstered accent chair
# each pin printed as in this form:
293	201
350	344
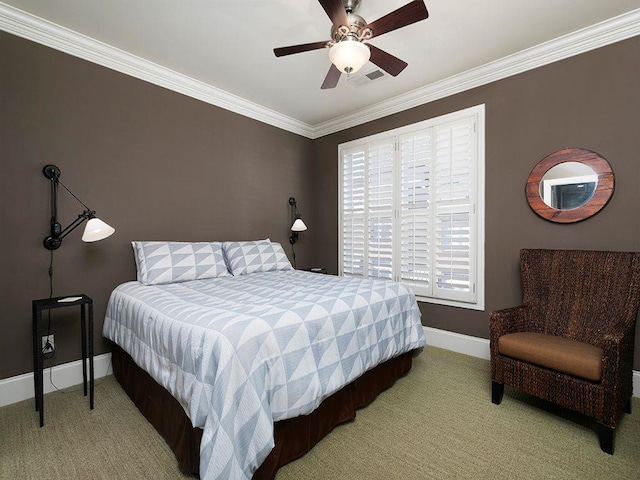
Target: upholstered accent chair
571	341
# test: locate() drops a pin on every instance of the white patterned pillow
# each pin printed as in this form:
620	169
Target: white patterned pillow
258	256
171	262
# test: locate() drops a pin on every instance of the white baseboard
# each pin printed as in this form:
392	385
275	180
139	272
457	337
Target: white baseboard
474	346
18	388
479	347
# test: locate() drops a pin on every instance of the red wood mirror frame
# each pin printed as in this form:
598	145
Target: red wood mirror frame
601	195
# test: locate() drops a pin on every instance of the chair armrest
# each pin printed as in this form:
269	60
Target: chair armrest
509	320
501	322
617	357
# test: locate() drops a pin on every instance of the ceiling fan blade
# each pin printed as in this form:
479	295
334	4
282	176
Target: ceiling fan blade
390	64
331	80
336	12
305	47
411	13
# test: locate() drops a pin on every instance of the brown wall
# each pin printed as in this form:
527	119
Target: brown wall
590	101
161	166
154	164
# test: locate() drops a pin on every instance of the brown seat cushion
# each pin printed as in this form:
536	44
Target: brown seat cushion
557	353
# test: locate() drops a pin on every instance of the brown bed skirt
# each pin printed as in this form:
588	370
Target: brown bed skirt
293	437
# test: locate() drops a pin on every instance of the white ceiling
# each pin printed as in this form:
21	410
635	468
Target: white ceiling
228	44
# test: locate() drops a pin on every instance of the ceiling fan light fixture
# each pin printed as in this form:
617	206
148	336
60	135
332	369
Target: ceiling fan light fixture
349	55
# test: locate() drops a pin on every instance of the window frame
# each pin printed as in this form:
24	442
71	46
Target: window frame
477	274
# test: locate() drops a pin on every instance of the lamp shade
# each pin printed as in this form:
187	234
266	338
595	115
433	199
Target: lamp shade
298	226
96	230
349	56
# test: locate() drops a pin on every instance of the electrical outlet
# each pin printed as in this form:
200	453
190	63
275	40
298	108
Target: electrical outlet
52	344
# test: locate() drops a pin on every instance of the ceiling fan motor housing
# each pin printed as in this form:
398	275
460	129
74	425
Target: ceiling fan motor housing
351	5
356	22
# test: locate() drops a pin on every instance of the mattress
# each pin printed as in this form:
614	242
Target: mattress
240	353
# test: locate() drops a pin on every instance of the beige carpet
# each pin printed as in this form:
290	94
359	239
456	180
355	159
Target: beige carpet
436	423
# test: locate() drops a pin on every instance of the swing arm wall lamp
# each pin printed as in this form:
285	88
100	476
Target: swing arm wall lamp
95	229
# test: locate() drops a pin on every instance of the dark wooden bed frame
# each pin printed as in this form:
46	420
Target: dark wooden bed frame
293	437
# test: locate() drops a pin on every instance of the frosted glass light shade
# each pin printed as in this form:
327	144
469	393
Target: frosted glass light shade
349	56
298	226
96	230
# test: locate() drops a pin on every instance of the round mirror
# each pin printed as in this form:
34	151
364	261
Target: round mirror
570	185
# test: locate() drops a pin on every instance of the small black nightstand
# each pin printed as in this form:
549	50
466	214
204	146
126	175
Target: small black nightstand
315	270
87	337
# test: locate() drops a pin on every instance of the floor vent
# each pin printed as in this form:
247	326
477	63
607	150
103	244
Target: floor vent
366	78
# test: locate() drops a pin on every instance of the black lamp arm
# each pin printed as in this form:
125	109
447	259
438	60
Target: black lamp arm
294	207
54	240
86	215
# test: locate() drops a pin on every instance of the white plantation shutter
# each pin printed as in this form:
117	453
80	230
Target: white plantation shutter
415	224
353	213
454	203
412	208
380	209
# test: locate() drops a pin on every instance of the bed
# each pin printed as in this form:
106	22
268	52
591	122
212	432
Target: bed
242	342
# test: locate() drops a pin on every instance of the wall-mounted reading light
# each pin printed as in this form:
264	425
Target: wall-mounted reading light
95	228
298	226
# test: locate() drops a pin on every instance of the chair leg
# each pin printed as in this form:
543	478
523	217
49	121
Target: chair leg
606	438
627	407
497	390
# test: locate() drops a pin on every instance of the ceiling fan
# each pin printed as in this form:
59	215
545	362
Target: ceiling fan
346	51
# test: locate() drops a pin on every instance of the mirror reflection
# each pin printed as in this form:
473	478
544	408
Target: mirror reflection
568	185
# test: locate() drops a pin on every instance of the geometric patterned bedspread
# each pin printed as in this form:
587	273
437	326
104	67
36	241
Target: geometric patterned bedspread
240	353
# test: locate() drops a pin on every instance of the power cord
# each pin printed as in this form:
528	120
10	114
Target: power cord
51	377
293	250
49	350
109	368
55	386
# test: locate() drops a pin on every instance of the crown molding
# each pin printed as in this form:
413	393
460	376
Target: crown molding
599	35
31	27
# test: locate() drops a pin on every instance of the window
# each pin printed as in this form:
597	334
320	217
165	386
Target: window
412	208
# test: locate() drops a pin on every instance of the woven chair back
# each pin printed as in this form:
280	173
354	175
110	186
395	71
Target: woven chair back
579	294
